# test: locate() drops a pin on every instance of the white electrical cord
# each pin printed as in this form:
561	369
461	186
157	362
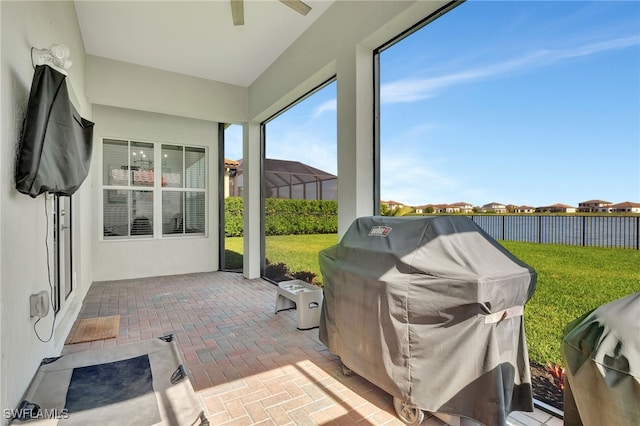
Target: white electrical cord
46	245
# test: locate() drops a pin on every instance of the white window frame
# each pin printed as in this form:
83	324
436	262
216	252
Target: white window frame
157	190
183	190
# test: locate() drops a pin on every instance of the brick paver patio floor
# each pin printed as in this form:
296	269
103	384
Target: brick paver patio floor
250	366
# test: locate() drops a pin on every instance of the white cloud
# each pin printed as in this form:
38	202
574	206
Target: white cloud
330	105
415	181
315	149
414	89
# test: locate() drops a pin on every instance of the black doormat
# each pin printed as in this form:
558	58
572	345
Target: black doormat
103	384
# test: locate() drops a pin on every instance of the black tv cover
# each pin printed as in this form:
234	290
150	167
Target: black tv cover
56	144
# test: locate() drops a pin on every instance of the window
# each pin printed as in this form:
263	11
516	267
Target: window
300	163
183	195
231	244
131	190
531	87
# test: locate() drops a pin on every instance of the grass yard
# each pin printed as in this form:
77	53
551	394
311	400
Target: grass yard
571	280
299	252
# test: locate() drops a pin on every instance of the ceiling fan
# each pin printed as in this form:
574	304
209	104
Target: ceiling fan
237	9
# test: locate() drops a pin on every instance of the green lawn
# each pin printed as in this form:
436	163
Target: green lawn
571	280
299	252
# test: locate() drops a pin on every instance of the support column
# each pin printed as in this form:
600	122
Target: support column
251	176
355	136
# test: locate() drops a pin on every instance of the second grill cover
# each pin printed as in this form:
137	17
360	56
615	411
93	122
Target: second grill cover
430	310
602	353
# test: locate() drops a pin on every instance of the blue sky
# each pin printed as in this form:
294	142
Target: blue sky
526	103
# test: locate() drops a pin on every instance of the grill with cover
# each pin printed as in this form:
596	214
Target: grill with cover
429	309
601	350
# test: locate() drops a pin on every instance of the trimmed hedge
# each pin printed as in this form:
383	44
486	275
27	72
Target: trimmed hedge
286	217
233	213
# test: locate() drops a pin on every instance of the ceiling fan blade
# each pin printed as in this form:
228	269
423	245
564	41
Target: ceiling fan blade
237	12
297	5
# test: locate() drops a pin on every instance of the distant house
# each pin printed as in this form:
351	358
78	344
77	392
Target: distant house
285	179
444	208
462	207
393	204
556	208
625	207
592	206
525	209
439	208
494	208
230	171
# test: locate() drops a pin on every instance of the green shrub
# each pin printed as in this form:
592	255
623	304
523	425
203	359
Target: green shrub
233	217
286	217
277	271
307	276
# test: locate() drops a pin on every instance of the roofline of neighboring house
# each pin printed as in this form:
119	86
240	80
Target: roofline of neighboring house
310	169
594	202
625	204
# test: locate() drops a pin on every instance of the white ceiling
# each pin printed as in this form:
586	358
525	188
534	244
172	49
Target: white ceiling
195	38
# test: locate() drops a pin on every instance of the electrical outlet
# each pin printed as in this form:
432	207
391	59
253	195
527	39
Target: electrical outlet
39	304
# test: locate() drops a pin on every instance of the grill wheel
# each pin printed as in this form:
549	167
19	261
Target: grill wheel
408	413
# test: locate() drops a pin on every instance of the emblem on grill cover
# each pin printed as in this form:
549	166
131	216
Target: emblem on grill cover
379	231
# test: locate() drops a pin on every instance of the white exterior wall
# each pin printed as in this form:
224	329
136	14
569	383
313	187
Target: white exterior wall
252	234
159	106
23	256
148	257
125	85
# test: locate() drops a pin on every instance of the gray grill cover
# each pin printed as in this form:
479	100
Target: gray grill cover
414	305
602	357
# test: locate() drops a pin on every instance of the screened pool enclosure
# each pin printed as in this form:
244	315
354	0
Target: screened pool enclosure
289	179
